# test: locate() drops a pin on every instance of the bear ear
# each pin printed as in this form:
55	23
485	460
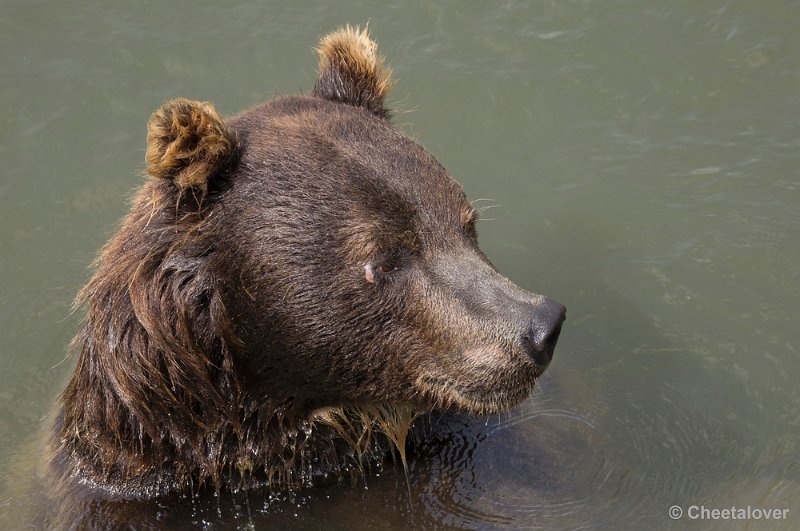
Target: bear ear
351	70
188	143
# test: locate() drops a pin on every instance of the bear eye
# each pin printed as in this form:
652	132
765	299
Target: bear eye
374	271
386	267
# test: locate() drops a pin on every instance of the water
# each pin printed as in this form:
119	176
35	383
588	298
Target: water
642	159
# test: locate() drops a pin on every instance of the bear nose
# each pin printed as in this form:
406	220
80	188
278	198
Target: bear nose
544	328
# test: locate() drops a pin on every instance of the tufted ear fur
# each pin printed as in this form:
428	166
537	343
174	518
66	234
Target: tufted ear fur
188	143
351	70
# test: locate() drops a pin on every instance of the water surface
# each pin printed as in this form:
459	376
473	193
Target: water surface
641	159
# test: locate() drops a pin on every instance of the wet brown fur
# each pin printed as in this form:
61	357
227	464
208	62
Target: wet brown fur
155	402
231	337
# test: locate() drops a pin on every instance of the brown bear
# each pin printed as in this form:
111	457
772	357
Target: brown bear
293	285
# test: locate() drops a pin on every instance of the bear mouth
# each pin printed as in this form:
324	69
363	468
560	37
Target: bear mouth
447	393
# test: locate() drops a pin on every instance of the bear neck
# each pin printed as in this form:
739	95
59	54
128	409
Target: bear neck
269	443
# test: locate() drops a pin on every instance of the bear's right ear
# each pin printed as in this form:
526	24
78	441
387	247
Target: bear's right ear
188	143
351	70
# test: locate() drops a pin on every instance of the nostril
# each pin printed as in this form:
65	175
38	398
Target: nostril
552	338
542	335
540	351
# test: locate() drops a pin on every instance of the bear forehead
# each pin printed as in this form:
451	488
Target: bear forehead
315	150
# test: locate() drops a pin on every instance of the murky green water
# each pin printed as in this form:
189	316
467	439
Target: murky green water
643	159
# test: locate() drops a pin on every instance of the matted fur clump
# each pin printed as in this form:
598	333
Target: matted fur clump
187	142
292	286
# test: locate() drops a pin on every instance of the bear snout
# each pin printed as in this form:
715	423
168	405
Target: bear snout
490	311
539	341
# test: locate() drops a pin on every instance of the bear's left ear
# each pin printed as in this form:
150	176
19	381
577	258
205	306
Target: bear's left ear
188	143
351	70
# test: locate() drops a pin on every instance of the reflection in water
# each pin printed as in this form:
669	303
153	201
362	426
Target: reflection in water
485	472
645	156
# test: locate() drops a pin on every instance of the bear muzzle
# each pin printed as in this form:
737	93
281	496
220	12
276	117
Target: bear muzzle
498	337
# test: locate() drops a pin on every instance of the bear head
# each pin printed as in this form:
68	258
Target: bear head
305	255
